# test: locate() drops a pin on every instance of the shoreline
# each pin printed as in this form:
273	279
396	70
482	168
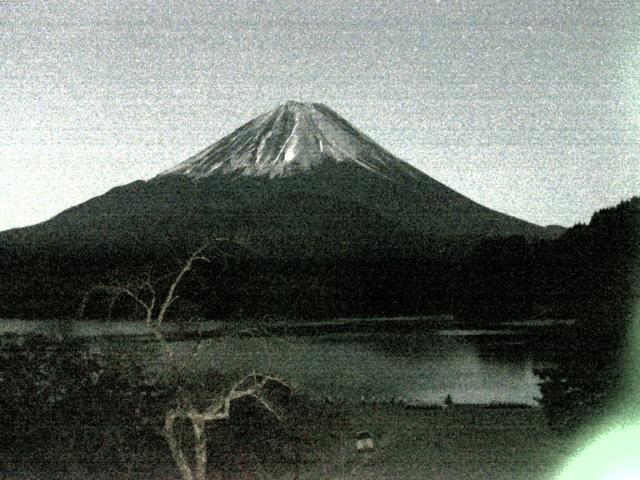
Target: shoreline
131	330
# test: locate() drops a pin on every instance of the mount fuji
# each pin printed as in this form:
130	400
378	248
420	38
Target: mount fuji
300	170
298	182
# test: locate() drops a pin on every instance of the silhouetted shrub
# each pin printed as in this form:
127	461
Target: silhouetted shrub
76	405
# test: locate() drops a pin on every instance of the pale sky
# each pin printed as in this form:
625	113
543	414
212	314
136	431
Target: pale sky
529	107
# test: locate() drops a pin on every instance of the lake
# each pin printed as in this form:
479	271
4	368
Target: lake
473	366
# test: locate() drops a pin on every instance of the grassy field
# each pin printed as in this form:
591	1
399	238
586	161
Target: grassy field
462	442
459	443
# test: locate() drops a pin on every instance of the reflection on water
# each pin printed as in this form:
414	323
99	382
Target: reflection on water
421	368
472	367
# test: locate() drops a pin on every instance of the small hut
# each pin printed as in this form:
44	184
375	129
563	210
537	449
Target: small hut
364	441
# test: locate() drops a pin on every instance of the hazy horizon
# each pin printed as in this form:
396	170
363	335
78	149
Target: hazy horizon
529	109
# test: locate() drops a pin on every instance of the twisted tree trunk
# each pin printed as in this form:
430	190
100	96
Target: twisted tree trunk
249	386
144	294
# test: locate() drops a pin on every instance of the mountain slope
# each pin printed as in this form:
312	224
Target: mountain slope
299	187
299	170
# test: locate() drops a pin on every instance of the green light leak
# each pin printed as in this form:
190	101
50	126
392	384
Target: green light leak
614	454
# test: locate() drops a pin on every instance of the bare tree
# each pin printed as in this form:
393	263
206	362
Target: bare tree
252	385
192	465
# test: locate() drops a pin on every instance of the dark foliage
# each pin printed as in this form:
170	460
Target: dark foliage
600	261
68	406
73	409
498	280
240	286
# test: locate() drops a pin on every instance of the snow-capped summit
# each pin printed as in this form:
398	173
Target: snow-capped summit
303	171
299	181
294	137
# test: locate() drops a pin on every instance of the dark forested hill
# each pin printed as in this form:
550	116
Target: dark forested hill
587	272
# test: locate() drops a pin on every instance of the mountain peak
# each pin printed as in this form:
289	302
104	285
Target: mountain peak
296	105
292	138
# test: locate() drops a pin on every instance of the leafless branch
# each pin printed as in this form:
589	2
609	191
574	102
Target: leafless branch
169	298
143	292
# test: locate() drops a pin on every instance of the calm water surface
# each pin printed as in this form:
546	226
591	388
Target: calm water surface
415	368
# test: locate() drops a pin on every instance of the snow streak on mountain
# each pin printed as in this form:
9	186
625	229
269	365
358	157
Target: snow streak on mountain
293	138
